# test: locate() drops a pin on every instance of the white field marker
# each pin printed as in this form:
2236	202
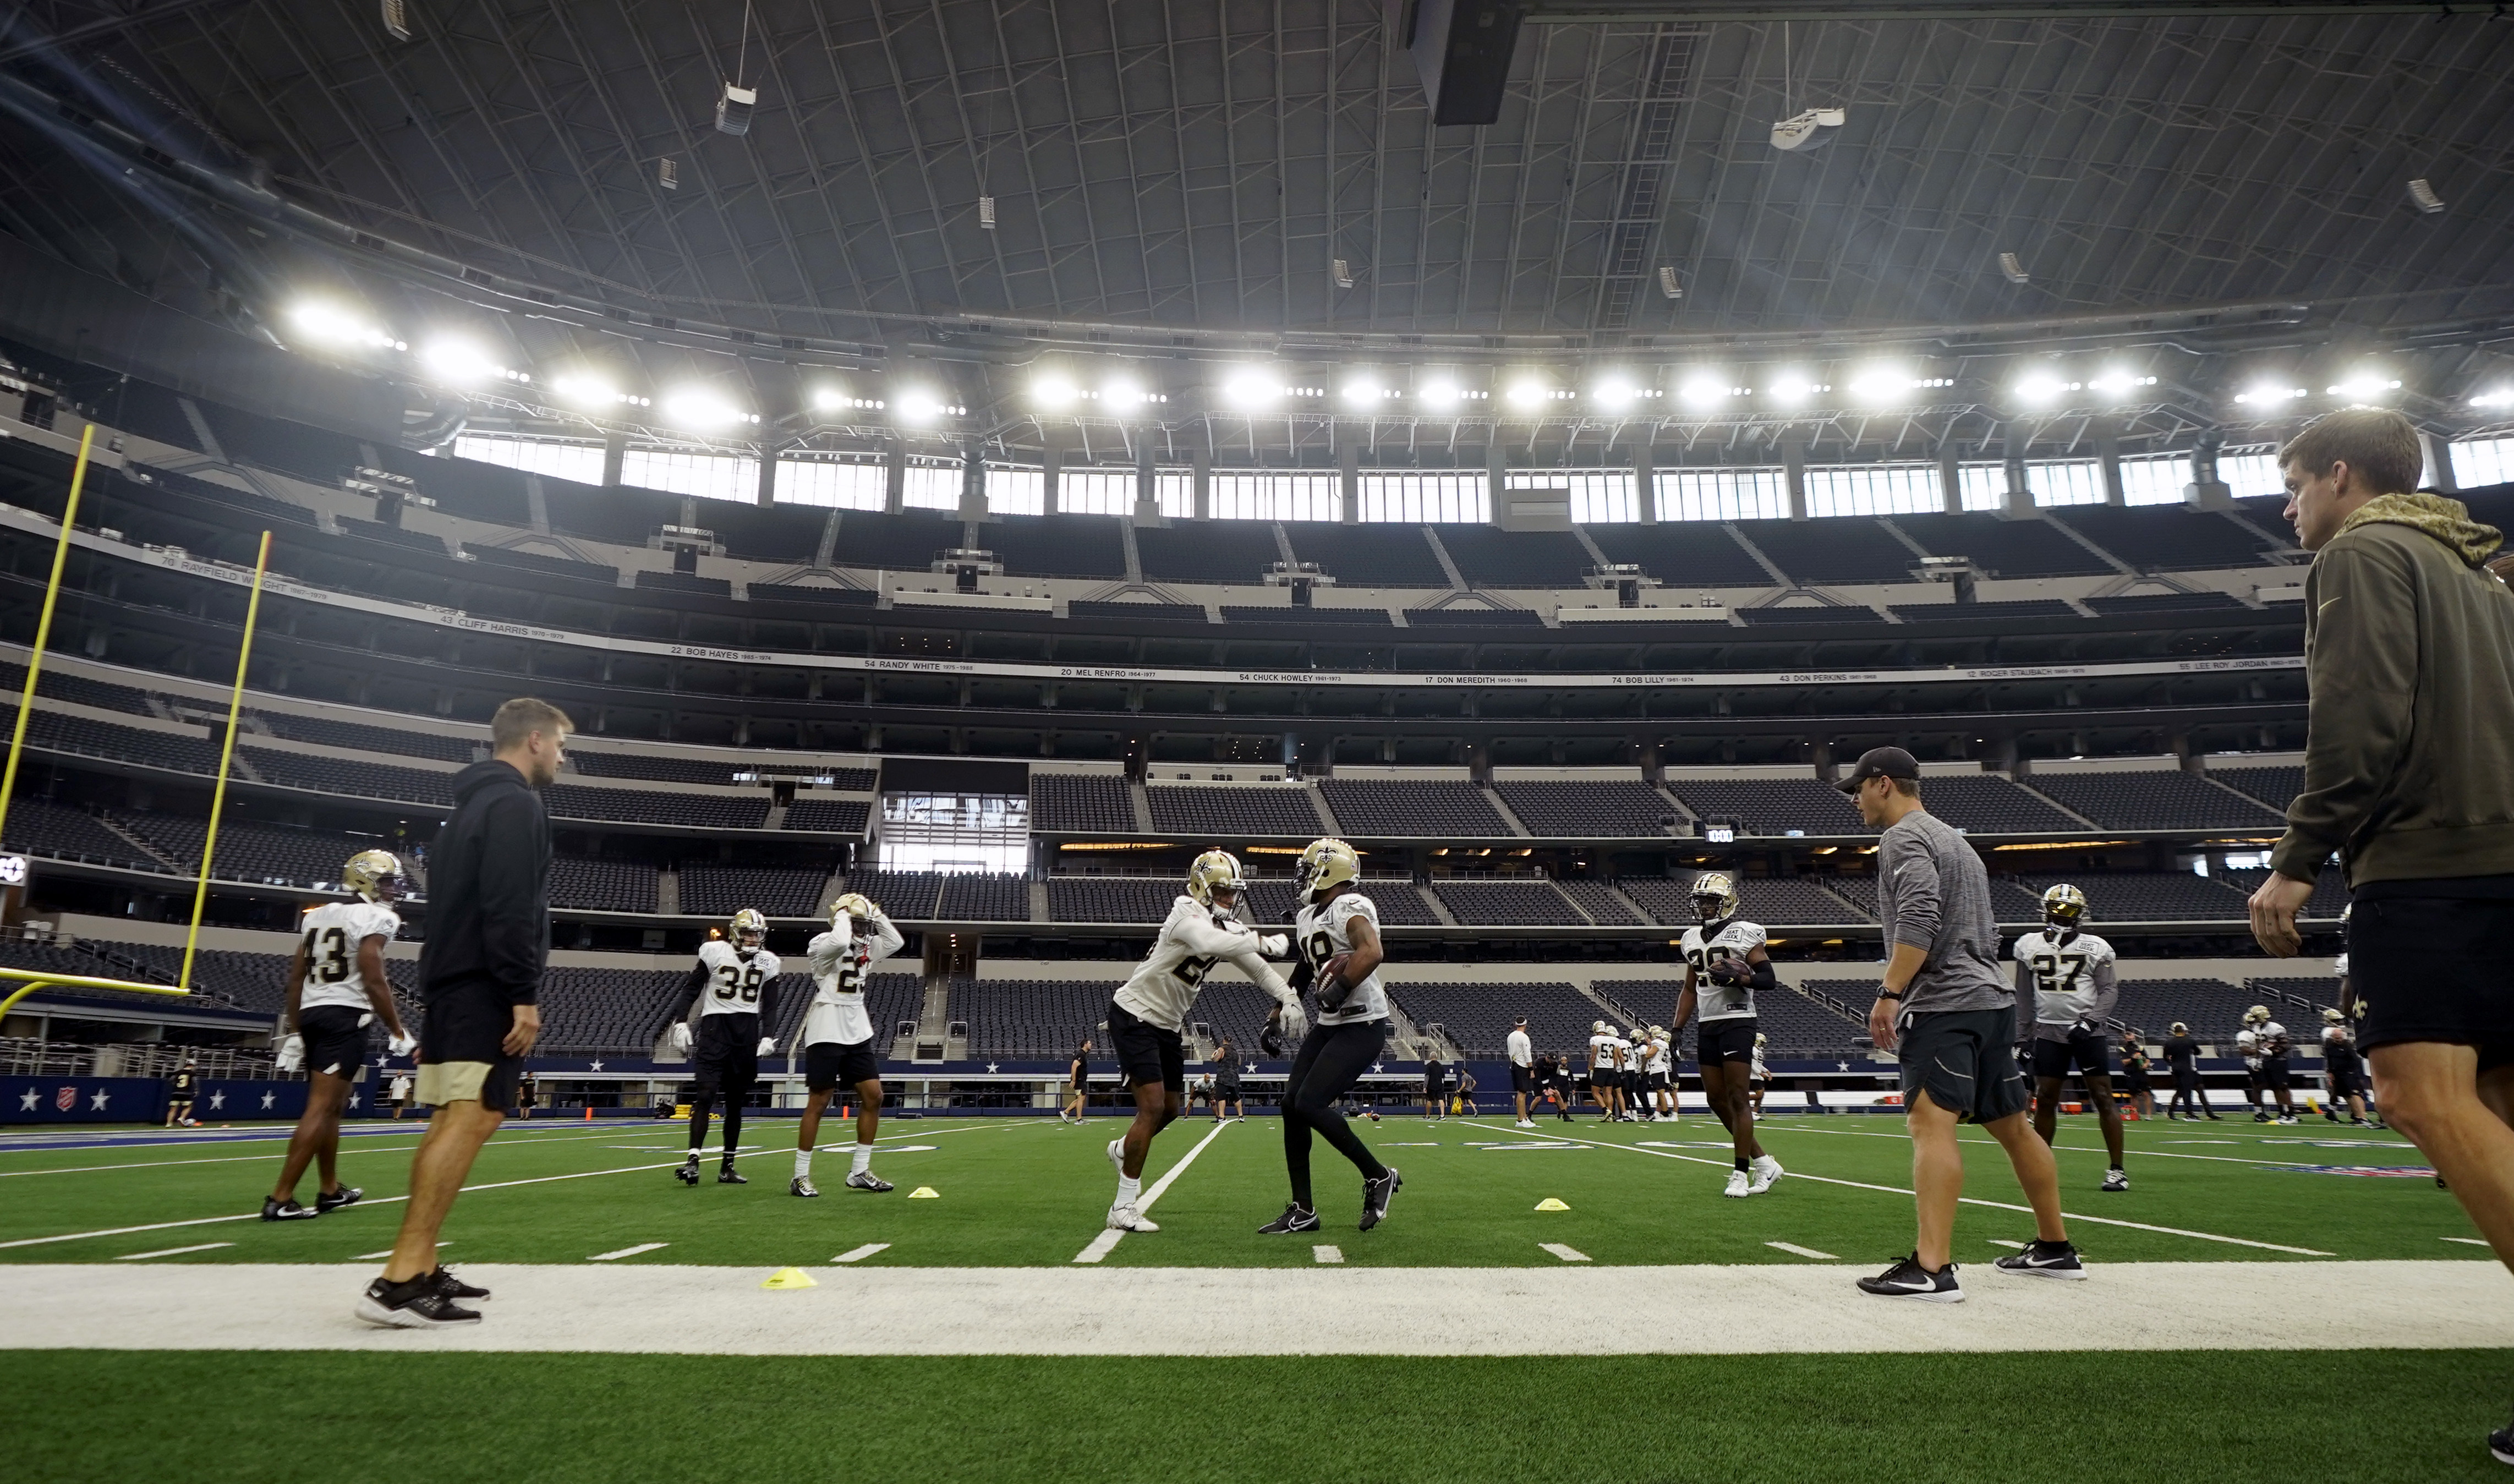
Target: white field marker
627	1252
168	1252
1329	1255
1566	1254
1795	1250
2000	1242
369	1256
1107	1241
858	1255
2468	1241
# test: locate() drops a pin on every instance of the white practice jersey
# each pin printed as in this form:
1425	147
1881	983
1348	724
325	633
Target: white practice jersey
1657	1064
1758	1071
1601	1051
839	959
1322	933
735	979
2273	1040
1623	1054
2071	976
1193	937
2249	1047
1520	1052
333	933
2339	966
1735	938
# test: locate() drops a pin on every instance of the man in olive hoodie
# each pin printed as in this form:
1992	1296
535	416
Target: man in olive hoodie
2409	776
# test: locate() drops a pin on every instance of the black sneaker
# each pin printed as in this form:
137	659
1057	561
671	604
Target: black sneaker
2043	1260
1908	1279
413	1305
1295	1218
347	1195
1375	1196
2217	1118
2500	1444
688	1172
726	1177
453	1287
273	1209
2262	1118
865	1180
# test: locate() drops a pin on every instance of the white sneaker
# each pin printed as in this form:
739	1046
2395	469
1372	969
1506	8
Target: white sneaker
1738	1187
1524	1123
1126	1219
1117	1154
1767	1173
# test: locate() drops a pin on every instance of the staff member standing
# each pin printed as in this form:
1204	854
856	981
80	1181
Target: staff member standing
1522	1070
480	975
1948	1014
2182	1059
2409	776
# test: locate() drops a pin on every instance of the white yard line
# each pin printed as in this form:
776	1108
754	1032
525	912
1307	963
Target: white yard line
859	1254
1566	1254
168	1252
2096	1220
1329	1256
1795	1250
232	1159
2468	1241
1060	1309
2071	1149
627	1252
369	1256
1107	1241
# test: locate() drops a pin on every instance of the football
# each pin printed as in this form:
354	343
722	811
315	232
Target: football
1334	970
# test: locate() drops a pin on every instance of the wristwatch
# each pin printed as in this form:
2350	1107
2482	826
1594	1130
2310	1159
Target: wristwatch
1889	994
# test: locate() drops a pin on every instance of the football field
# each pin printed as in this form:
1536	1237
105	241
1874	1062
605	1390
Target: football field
993	1329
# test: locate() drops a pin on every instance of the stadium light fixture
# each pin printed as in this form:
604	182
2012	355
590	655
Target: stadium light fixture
1054	393
1879	385
1363	393
2499	396
2118	384
1121	394
593	391
1528	393
1251	387
1792	388
2041	389
700	410
2365	386
1614	393
466	364
1438	395
333	325
2269	394
1704	389
837	399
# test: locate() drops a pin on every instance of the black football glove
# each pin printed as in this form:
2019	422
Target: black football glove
1732	971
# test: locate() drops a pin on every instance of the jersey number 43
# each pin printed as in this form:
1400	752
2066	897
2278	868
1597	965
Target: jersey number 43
327	955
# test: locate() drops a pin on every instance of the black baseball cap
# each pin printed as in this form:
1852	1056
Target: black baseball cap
1880	762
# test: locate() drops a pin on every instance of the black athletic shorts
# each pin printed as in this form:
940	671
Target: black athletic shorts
2273	1077
2086	1051
1433	1087
336	1038
1603	1078
1145	1053
2344	1077
1226	1092
832	1065
468	1020
2134	1081
1522	1079
1964	1061
726	1059
1659	1082
1726	1041
2432	967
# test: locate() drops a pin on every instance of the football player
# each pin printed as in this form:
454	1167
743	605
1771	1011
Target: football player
1725	963
2182	1059
2066	987
1226	1083
1761	1074
1658	1063
1336	933
735	988
2340	1069
1603	1069
2264	1044
336	987
1628	1083
838	1036
1150	1010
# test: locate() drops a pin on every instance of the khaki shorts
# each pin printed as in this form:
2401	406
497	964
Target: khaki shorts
491	1084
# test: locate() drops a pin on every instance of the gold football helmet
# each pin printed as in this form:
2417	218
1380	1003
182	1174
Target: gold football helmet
374	875
749	929
1215	872
2064	906
1327	864
855	904
1719	890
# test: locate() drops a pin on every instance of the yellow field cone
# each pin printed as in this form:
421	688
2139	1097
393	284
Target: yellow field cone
790	1278
925	1194
1550	1204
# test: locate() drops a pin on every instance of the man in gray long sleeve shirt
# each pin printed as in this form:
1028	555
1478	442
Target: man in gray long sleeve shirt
1945	1011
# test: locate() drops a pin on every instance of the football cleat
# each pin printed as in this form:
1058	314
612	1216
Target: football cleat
865	1180
727	1177
688	1172
1766	1172
2262	1118
1127	1219
2287	1119
2116	1179
1117	1154
2043	1260
1908	1279
412	1306
2500	1444
799	1185
273	1209
1524	1123
1740	1185
453	1287
1375	1196
1295	1218
347	1195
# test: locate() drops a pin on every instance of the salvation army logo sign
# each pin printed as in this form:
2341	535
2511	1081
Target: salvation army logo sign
66	1099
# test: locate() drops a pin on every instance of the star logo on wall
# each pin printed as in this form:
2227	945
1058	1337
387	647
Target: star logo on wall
991	1066
26	1101
217	1101
268	1099
96	1102
1842	1066
598	1066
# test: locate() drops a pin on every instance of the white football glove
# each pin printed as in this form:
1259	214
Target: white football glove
767	1046
1273	945
680	1035
402	1045
1295	1022
292	1052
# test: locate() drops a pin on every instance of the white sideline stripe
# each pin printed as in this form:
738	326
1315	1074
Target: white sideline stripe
358	1147
1795	1250
2094	1220
627	1252
369	1256
2003	1242
1566	1254
859	1254
2468	1241
1327	1255
2071	1149
168	1252
1107	1241
1060	1309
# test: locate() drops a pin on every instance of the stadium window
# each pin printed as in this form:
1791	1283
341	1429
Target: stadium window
2156	481
1016	492
676	471
578	461
1873	489
1174	491
1095	492
2251	474
1984	486
848	485
1260	495
2066	481
2483	462
956	833
932	486
1426	499
1757	494
1599	496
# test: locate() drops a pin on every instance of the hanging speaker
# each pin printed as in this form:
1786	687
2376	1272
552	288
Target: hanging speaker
397	19
1461	51
733	109
2012	270
668	175
1668	285
2423	197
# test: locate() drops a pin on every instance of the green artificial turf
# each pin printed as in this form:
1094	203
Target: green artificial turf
2218	1416
1032	1191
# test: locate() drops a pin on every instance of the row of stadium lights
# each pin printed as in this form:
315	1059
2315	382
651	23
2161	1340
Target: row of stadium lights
1254	389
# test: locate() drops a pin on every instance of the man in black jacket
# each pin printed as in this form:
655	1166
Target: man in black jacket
2182	1059
480	975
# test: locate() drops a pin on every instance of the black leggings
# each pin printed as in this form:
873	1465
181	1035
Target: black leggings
1330	1061
2188	1092
700	1103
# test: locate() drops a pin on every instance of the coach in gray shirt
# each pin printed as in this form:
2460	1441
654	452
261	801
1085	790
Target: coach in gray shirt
1952	1022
